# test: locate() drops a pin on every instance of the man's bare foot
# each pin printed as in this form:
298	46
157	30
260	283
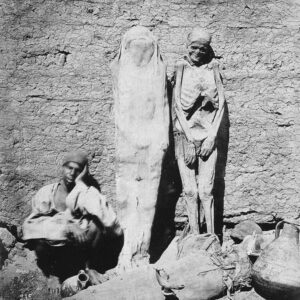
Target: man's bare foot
54	285
129	263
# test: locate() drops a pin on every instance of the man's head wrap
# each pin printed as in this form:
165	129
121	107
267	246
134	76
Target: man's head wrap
199	35
79	157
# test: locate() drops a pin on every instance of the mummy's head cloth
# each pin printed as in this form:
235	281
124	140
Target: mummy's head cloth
137	32
199	35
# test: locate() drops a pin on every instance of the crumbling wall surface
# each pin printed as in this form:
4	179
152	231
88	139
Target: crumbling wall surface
56	92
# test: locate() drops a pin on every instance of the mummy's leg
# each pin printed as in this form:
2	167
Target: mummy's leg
189	185
206	178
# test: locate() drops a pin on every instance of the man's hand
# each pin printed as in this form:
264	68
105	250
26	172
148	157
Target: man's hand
77	234
82	175
207	146
190	154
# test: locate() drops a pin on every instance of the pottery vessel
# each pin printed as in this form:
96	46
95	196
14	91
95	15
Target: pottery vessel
74	284
276	273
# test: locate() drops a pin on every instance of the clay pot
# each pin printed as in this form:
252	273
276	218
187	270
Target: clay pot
276	273
74	284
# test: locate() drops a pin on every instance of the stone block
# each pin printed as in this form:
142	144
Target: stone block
7	239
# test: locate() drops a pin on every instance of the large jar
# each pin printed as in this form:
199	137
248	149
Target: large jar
276	273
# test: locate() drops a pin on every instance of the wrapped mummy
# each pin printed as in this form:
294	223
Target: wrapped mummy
142	127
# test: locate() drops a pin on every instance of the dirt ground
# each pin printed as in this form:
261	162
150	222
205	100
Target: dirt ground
20	279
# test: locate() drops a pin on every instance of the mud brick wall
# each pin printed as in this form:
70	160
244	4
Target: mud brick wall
55	89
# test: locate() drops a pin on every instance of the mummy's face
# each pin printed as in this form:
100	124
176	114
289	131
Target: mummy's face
140	50
197	52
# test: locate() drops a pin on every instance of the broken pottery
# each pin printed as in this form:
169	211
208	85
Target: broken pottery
187	244
203	276
194	268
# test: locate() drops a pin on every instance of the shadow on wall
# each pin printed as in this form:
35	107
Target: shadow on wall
219	185
163	229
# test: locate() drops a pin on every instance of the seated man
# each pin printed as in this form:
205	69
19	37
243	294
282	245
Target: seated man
68	223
